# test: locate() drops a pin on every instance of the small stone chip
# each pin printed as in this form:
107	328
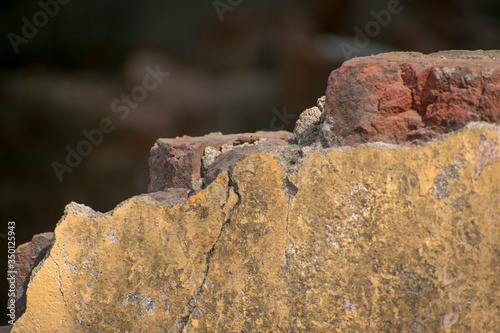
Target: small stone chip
209	156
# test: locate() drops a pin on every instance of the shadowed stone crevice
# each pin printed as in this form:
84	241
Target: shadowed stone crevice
289	188
289	250
285	250
191	305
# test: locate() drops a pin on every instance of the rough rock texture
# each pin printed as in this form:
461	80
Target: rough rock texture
133	269
306	129
177	163
373	239
27	256
407	96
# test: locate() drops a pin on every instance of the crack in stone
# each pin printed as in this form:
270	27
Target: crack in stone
59	281
289	250
287	268
194	300
288	188
60	278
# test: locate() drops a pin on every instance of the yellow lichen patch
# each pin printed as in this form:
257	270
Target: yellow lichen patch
397	240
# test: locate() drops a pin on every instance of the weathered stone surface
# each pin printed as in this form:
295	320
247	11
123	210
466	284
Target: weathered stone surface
373	239
307	127
27	256
227	160
176	163
135	269
407	96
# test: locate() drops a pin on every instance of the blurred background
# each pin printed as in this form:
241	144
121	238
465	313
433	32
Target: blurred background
232	64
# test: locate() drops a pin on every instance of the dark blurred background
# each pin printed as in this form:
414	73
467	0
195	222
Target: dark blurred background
232	68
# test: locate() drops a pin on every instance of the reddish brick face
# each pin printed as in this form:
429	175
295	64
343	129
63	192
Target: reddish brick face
404	97
176	163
